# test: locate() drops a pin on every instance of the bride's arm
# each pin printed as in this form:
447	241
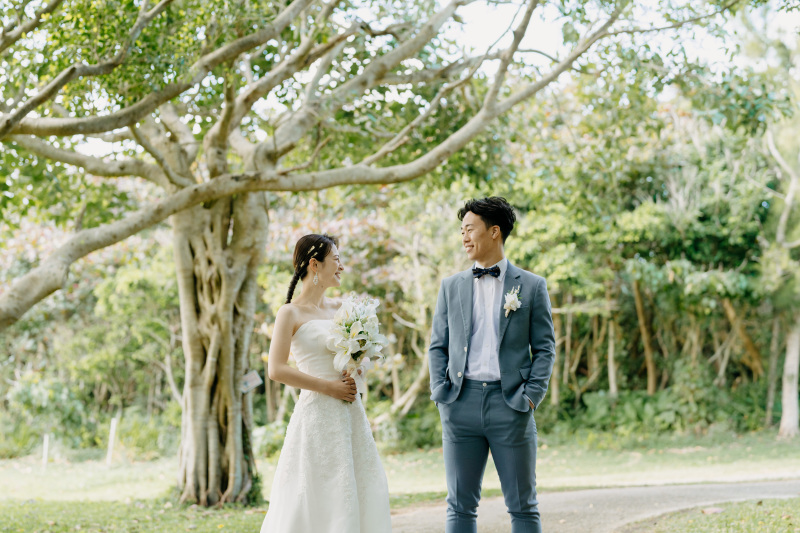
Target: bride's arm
279	369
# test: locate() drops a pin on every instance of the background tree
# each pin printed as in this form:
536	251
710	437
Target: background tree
212	102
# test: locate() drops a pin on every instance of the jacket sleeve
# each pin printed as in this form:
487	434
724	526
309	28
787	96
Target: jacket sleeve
438	353
542	341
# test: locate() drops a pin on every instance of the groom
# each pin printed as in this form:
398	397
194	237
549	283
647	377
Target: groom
491	355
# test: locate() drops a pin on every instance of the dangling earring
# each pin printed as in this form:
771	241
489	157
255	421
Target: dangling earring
316	279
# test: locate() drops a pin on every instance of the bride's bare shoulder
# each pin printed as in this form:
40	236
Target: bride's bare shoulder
288	314
289	318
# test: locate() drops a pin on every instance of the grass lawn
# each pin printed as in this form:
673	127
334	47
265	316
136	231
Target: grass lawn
585	462
772	516
139	516
130	496
598	460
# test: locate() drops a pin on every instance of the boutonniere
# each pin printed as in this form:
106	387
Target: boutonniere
512	300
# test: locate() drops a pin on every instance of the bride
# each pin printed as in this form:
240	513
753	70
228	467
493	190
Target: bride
329	476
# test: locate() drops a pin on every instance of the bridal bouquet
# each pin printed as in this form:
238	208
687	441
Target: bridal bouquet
355	339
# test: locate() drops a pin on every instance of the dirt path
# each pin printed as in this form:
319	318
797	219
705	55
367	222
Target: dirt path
600	510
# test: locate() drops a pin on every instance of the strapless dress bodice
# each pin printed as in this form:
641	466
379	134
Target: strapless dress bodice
310	349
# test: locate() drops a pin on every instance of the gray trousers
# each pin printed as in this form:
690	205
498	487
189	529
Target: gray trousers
477	422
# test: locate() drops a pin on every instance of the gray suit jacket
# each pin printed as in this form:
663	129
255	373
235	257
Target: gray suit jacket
526	339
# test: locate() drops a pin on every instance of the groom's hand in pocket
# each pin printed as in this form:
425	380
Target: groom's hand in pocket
344	389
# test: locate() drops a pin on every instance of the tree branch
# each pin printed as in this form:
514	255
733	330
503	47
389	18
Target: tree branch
289	132
11	35
791	192
508	55
308	163
113	136
174	124
565	64
83	70
325	63
446	72
402	137
553	59
132	114
92	165
174	177
303	56
677	24
216	141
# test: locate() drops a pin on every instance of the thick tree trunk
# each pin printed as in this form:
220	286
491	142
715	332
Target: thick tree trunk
646	342
753	357
772	371
567	341
396	391
612	363
218	249
554	390
693	338
790	418
591	355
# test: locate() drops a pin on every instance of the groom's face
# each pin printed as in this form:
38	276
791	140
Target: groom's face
479	241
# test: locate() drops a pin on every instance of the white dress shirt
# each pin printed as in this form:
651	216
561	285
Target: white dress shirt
483	358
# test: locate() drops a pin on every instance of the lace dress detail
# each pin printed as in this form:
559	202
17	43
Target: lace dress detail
329	477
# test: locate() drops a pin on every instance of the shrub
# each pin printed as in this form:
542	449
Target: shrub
16	438
420	428
48	406
144	438
268	439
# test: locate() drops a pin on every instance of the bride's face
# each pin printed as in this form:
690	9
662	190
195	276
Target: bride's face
330	270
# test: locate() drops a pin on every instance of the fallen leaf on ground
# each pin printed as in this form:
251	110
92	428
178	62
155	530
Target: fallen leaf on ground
712	510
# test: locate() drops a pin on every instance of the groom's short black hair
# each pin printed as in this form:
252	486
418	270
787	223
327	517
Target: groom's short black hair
494	211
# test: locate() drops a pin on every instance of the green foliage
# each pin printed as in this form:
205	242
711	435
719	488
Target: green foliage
746	102
50	406
420	429
36	189
94	347
144	438
268	439
120	349
693	404
17	437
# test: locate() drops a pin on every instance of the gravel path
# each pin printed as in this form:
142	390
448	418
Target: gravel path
599	510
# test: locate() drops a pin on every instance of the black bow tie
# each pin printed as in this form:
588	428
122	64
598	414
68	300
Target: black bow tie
494	272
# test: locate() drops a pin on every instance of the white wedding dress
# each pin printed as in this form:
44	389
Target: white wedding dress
329	477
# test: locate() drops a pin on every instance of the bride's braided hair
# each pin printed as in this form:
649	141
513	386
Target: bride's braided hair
309	247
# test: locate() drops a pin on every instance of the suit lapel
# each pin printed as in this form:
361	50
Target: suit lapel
511	281
465	295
